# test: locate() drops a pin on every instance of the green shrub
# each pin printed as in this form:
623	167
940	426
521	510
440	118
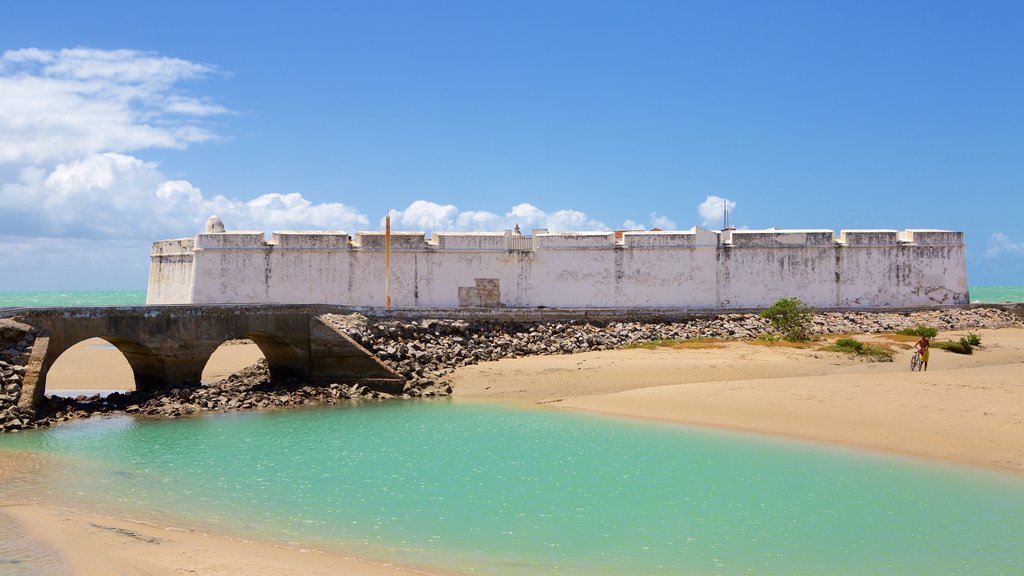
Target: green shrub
791	318
858	348
961	347
849	344
972	339
919	330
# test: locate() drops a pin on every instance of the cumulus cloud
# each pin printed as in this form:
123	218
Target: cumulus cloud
114	195
275	211
57	105
1000	245
712	209
425	215
429	216
656	221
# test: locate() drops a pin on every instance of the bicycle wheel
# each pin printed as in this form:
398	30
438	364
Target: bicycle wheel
915	361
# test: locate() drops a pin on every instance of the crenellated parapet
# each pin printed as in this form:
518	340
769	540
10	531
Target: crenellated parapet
693	268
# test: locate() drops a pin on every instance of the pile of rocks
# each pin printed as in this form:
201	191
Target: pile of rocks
250	389
426	353
16	341
943	320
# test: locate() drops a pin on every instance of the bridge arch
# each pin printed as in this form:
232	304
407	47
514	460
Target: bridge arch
148	370
284	359
92	364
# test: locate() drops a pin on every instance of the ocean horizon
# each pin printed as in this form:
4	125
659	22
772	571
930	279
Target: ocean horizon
55	298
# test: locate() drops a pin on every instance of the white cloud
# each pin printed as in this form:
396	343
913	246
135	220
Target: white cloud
425	215
57	105
428	216
656	221
1000	245
114	195
291	211
711	211
663	222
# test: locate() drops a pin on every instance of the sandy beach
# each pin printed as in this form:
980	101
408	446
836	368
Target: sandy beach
965	409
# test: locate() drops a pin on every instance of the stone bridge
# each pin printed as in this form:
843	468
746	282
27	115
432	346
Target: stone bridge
168	346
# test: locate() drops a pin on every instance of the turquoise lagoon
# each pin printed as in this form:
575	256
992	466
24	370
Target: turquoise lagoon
487	489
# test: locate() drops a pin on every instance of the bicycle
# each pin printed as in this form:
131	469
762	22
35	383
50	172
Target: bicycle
915	361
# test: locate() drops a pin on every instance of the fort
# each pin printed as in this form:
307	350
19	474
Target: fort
692	269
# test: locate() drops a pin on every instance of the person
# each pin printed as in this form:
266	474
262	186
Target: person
922	349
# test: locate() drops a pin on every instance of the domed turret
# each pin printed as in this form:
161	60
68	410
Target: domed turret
214	225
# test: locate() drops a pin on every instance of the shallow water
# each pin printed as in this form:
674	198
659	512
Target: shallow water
23	556
493	490
72	298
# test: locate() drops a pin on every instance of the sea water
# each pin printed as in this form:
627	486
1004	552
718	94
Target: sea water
989	294
979	294
72	298
493	490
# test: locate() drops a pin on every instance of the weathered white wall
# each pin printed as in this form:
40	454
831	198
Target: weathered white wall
170	272
694	269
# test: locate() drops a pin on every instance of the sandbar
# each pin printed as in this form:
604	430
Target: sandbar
965	408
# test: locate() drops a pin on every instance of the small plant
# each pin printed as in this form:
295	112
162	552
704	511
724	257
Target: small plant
972	339
919	330
791	318
849	344
961	347
858	348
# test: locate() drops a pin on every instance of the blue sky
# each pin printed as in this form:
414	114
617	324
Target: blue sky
124	122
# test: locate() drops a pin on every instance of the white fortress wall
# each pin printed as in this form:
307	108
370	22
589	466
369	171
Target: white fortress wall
696	268
935	267
170	272
761	266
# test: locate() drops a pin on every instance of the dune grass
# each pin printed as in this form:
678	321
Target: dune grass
871	352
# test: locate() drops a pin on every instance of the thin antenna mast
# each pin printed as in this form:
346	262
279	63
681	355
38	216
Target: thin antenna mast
387	260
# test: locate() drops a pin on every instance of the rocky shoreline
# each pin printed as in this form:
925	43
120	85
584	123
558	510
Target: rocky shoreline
426	353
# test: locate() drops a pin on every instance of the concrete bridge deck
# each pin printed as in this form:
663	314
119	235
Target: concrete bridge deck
168	346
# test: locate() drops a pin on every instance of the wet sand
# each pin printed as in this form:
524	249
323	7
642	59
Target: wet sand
95	545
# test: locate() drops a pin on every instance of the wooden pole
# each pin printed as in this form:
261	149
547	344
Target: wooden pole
387	261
